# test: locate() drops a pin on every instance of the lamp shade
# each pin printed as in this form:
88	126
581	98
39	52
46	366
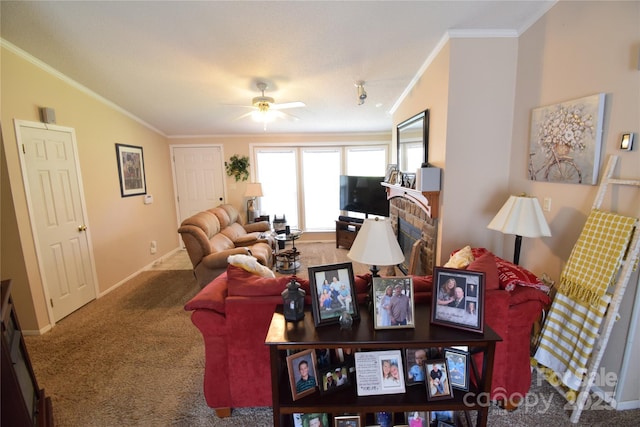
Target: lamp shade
376	244
522	216
254	189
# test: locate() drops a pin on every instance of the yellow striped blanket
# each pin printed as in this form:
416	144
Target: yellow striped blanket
568	337
571	328
596	256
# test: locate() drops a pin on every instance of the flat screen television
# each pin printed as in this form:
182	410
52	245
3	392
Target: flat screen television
363	194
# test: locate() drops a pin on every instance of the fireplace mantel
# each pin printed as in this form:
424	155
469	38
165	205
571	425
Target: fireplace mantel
429	201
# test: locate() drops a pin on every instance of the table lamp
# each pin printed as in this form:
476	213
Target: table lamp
254	190
376	244
522	216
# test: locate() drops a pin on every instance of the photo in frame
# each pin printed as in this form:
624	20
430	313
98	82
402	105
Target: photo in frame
392	170
346	421
415	360
459	299
394	305
458	365
131	170
302	373
310	420
442	416
334	378
379	372
409	180
332	292
417	418
438	381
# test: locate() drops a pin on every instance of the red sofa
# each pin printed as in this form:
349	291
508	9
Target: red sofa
233	313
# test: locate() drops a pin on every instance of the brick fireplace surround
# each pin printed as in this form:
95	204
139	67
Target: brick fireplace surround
416	215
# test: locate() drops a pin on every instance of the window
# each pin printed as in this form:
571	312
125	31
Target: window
303	182
321	183
277	172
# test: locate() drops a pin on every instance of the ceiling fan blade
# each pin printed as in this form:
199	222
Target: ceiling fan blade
285	105
243	116
287	116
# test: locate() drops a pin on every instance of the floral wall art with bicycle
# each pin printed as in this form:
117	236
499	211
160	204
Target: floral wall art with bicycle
566	141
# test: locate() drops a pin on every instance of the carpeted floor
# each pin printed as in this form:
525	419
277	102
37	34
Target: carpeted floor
133	358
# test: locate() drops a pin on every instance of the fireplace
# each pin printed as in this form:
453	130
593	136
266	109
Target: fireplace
407	236
411	223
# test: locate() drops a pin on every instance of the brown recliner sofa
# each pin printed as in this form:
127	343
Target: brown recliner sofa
211	236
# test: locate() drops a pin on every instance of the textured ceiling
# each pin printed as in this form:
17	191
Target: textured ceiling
190	68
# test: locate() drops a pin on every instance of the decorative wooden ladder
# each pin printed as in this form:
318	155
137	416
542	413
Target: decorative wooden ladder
628	265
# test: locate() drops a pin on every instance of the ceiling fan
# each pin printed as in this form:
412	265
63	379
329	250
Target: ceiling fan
266	110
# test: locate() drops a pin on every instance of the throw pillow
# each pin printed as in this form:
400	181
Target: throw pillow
250	264
487	264
512	275
460	259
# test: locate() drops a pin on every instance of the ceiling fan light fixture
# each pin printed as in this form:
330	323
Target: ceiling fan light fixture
263	116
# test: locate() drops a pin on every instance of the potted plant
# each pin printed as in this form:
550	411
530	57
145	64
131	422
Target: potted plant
238	167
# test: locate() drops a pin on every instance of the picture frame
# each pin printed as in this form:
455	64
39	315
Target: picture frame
438	382
379	372
393	297
131	170
336	281
346	421
458	366
334	378
300	386
409	180
459	299
416	359
447	417
417	418
305	419
391	169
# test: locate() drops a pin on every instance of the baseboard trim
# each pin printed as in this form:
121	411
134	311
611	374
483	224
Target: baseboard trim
145	268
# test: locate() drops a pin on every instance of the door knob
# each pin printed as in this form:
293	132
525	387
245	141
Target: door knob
82	227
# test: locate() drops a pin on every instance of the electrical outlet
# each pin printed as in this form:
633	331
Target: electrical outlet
154	247
546	204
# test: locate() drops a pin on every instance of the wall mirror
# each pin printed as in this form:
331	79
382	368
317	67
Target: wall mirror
413	142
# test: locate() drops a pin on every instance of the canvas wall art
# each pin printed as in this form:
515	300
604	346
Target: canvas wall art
566	140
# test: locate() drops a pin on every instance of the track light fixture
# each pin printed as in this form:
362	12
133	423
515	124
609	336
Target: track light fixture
362	94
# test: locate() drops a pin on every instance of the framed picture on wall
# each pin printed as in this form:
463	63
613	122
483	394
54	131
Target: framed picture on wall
131	170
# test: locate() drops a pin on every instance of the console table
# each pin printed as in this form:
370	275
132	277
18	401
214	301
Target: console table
283	336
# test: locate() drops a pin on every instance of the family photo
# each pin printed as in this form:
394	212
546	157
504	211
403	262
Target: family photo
459	298
333	292
393	302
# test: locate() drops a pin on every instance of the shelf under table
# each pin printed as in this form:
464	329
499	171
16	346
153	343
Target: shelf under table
303	334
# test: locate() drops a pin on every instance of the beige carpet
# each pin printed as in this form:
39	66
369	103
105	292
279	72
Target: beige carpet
133	358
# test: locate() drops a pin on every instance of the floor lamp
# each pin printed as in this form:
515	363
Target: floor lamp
254	190
522	216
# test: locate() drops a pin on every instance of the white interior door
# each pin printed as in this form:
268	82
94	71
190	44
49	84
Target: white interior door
58	216
199	176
